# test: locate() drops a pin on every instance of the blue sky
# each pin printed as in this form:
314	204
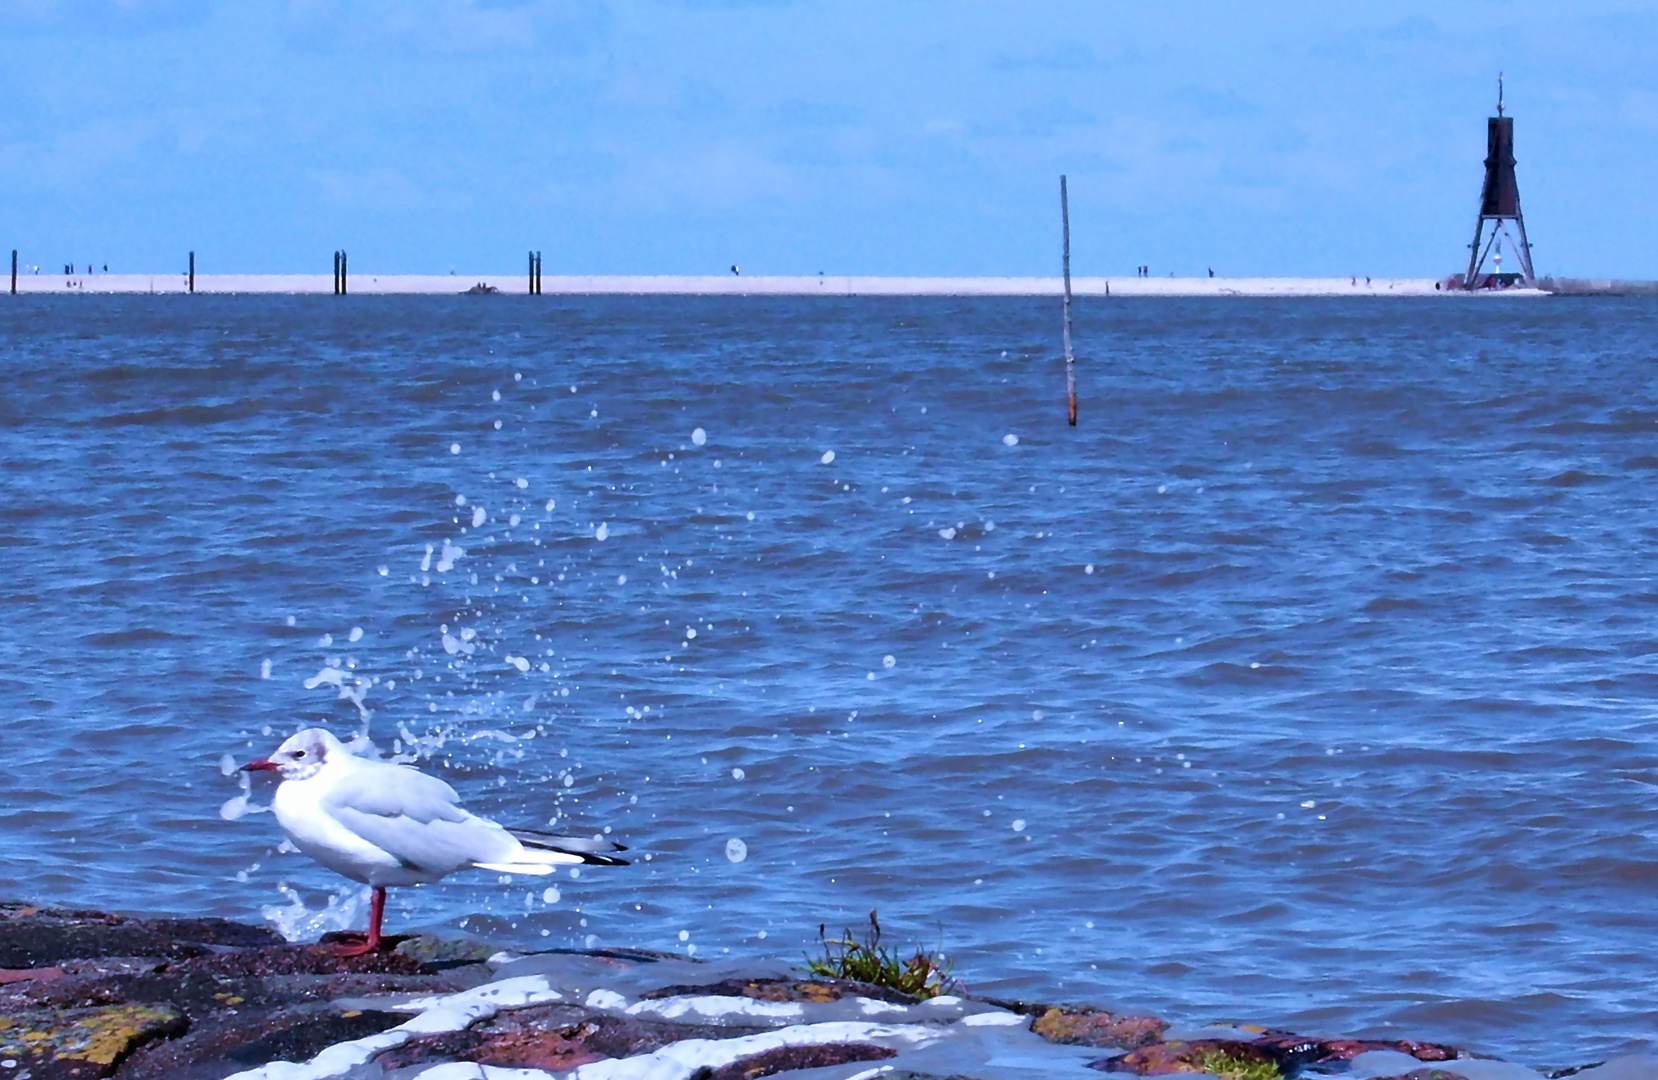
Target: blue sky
848	136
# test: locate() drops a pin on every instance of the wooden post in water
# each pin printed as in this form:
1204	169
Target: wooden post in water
336	272
192	271
1070	360
538	273
345	274
14	271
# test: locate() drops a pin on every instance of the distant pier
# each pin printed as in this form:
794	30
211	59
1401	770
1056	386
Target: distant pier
762	285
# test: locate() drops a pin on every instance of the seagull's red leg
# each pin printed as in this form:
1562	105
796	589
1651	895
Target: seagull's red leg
376	911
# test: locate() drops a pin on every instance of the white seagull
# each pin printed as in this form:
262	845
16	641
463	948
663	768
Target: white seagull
384	824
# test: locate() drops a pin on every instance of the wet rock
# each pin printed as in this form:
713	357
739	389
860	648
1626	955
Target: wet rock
1096	1027
81	1044
786	990
1636	1067
33	937
1272	1054
788	1058
214	932
183	999
1294	1051
86	995
550	1037
218	1049
435	954
1227	1058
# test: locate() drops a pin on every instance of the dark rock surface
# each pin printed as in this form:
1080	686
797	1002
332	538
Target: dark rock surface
86	995
791	1058
785	990
552	1037
97	995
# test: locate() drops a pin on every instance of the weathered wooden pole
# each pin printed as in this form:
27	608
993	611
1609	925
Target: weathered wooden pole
192	271
345	274
336	271
538	273
14	271
1070	360
530	288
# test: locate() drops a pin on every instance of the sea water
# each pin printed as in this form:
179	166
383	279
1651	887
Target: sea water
1309	681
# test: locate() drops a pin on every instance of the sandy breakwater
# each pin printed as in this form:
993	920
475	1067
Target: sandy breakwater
732	285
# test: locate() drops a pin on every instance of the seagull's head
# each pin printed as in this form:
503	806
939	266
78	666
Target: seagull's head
302	756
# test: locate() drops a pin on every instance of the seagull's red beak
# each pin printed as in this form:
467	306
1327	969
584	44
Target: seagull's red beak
261	765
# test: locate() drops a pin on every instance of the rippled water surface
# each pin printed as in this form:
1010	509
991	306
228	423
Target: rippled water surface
1310	681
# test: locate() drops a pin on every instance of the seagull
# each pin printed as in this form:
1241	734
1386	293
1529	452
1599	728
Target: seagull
384	824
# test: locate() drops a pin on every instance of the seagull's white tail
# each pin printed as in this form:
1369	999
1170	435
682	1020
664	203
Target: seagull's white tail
532	861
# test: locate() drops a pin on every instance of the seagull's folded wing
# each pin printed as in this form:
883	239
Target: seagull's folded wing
414	818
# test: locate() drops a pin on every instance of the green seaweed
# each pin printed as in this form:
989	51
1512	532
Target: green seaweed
1233	1067
921	975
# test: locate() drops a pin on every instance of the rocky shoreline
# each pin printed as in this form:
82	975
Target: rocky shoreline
86	995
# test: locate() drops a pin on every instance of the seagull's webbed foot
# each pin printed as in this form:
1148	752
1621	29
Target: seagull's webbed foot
369	944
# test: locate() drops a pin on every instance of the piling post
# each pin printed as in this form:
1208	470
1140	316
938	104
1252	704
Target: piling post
538	273
192	271
336	271
345	274
1070	360
14	271
530	286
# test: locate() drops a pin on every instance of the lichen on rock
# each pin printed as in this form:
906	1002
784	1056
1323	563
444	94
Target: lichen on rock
83	1043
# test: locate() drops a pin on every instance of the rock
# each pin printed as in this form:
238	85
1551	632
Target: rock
86	995
789	1058
1226	1058
214	932
1294	1051
1096	1027
42	937
435	953
550	1037
786	990
180	999
1635	1067
218	1048
81	1044
1272	1054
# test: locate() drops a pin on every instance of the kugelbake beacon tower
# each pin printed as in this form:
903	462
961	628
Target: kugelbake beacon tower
1500	208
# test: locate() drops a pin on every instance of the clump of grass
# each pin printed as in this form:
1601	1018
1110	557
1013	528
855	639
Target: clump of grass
1232	1067
921	975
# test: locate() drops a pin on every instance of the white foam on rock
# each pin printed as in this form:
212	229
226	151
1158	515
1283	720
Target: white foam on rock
679	1060
716	1007
994	1019
450	1012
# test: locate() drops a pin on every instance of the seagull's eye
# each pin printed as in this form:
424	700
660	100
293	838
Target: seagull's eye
299	753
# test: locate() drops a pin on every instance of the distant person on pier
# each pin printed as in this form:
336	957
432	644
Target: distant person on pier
734	271
1211	271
